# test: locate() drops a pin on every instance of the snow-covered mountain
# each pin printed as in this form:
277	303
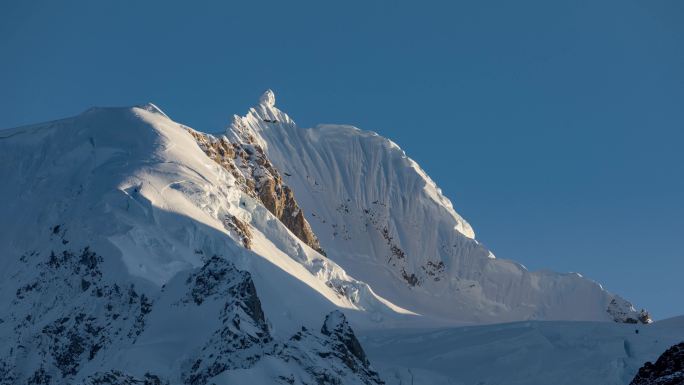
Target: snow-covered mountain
128	253
379	216
135	249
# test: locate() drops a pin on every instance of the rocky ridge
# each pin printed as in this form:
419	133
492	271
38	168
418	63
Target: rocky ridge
256	176
70	323
667	370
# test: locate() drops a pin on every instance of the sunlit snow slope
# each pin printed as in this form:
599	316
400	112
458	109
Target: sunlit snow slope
136	184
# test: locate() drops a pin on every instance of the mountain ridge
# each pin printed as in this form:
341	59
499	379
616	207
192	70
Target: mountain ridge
136	248
331	184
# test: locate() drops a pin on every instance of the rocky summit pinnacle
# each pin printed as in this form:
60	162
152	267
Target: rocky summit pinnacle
267	98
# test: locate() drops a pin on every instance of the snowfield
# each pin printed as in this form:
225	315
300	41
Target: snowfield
525	353
135	249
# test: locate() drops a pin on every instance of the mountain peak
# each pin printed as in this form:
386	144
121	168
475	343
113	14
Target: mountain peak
151	107
267	98
335	321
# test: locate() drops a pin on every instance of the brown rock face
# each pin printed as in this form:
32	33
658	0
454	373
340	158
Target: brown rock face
620	315
240	228
293	218
257	177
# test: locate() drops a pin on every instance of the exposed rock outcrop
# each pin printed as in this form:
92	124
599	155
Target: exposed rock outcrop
241	228
67	311
667	370
337	328
71	316
332	357
243	336
245	160
243	341
622	311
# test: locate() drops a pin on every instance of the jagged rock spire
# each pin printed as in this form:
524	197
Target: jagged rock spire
336	326
267	98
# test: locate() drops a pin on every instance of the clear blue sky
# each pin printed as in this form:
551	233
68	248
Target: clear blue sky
556	127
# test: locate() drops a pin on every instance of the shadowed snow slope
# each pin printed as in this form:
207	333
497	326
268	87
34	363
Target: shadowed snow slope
522	353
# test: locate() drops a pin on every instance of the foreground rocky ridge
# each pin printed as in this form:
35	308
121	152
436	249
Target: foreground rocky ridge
70	322
667	370
65	313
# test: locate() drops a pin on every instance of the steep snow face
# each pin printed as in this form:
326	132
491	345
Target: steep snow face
379	216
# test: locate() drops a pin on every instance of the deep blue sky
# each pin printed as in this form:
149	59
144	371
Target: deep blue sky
556	127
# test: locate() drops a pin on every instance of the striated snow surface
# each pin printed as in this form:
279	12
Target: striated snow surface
381	218
521	353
